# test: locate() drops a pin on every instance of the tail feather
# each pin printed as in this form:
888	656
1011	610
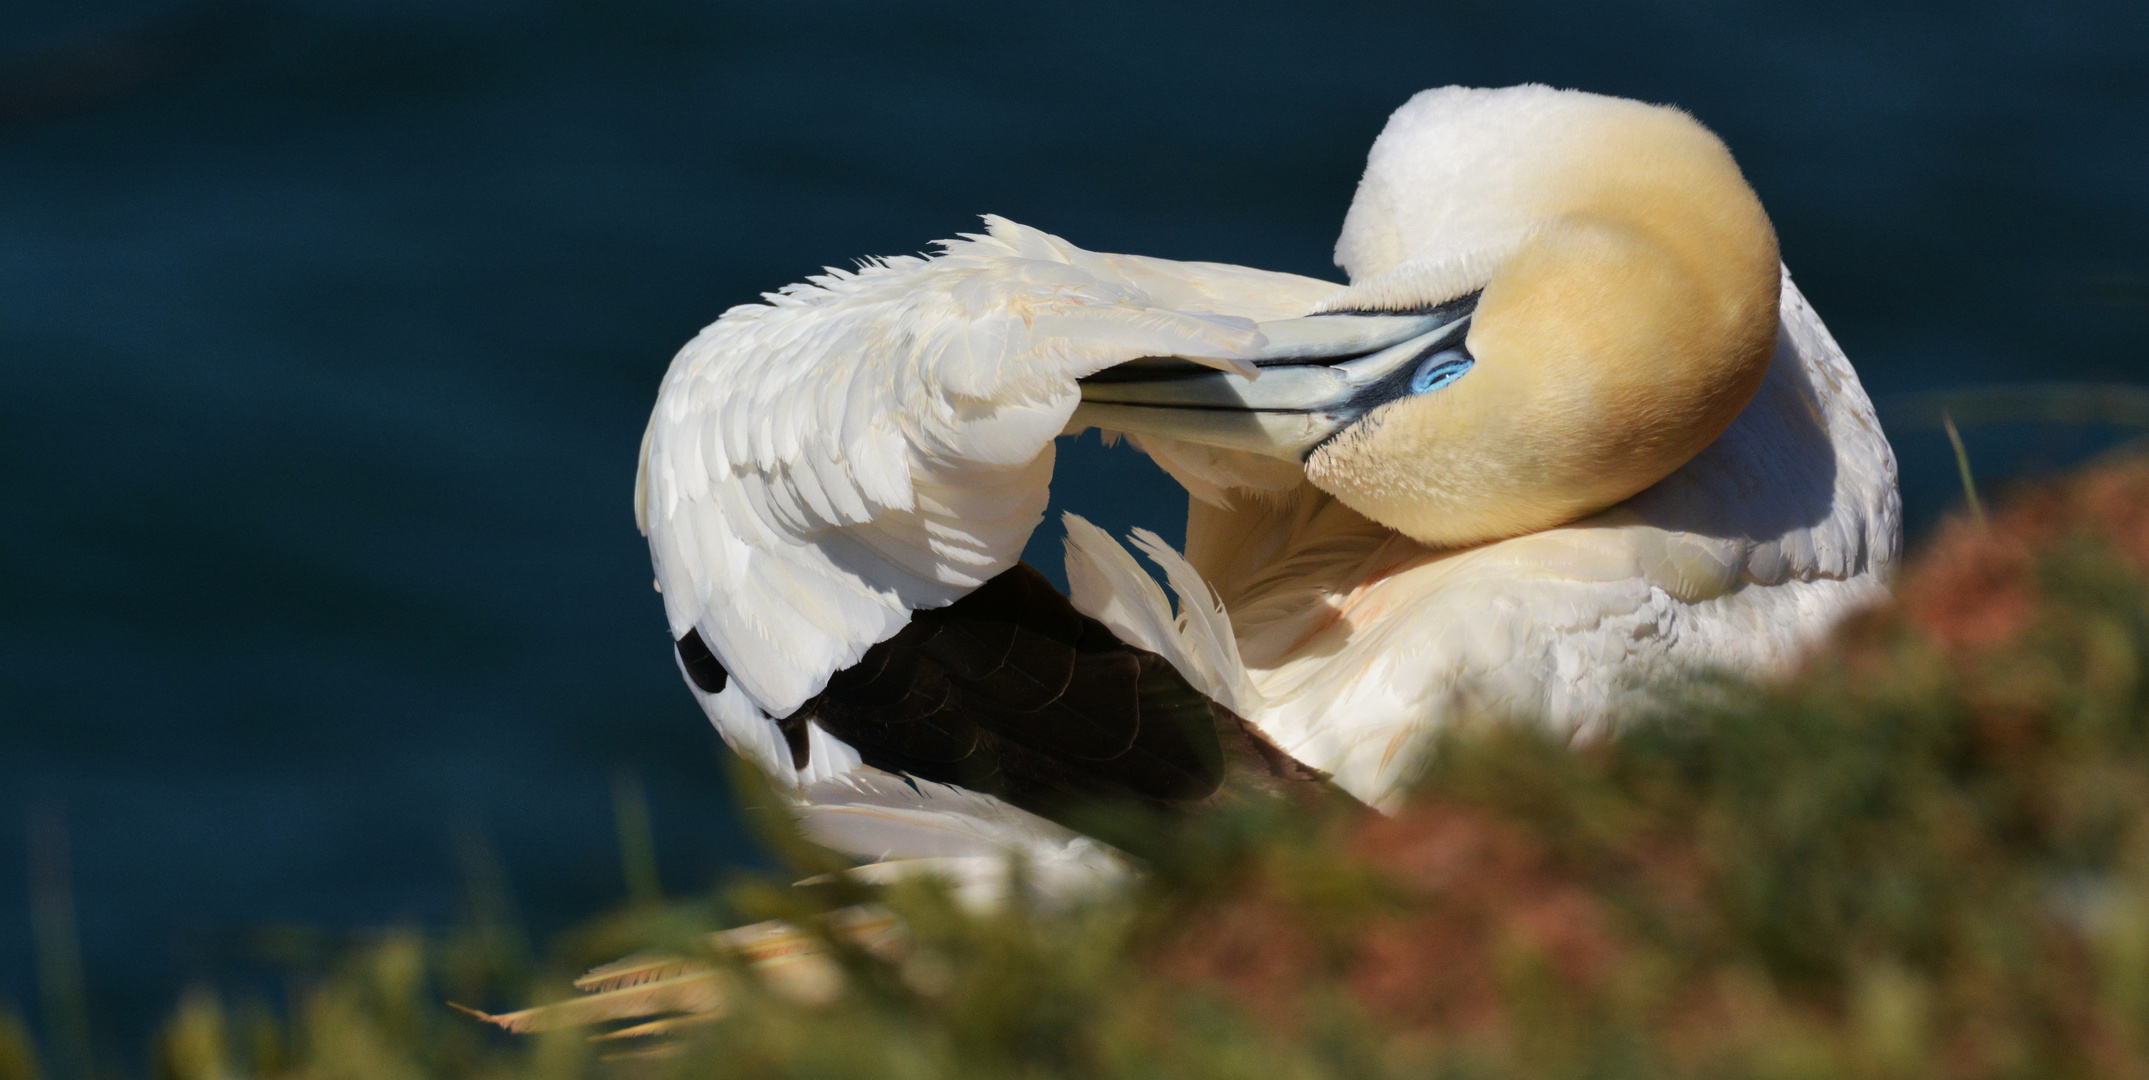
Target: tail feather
918	826
1106	584
877	815
1204	627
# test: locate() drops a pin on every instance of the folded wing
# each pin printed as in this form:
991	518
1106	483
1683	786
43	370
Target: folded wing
869	444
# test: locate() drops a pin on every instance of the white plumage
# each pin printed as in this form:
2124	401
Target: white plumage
870	444
1360	640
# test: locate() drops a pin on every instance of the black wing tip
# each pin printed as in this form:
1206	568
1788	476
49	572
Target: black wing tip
1012	692
703	669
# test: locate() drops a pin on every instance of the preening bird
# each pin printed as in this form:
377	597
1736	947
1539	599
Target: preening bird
1569	429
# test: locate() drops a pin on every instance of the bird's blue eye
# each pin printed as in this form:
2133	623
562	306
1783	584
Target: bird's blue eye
1440	369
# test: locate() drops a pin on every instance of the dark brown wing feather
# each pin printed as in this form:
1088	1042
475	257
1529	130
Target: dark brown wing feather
1013	692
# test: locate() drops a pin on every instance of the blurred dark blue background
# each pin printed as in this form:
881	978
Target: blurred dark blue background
327	331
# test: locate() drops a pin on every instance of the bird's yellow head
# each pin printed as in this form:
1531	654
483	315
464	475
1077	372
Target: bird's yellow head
1557	299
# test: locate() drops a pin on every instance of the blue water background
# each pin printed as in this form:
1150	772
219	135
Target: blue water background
328	330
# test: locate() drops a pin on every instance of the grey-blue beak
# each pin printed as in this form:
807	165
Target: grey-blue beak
1317	375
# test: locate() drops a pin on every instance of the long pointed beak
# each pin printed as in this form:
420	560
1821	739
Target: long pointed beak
1316	376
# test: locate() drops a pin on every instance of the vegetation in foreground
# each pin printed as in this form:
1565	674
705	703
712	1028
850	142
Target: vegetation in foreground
1926	854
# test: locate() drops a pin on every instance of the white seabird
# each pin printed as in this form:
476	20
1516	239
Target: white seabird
1570	428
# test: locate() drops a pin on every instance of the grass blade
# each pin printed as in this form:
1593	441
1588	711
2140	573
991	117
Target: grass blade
637	844
1962	465
59	946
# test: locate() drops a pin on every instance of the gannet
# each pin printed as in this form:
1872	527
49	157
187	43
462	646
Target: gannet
1569	430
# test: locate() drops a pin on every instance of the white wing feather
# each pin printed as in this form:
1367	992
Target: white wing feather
867	444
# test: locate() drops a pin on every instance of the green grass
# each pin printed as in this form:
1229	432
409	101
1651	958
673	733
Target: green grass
1925	854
